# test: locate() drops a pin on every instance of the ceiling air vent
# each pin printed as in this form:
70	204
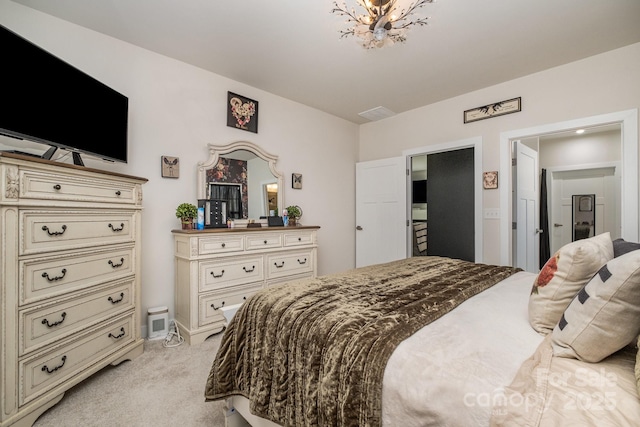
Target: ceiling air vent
377	113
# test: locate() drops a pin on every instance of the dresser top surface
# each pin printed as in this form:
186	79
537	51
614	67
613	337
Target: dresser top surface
32	159
245	229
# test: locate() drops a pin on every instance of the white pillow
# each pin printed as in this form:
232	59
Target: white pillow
605	315
562	277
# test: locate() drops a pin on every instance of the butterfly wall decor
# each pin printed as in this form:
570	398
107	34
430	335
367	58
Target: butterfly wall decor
170	167
296	181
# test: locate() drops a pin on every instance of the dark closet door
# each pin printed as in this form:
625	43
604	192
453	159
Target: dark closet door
450	204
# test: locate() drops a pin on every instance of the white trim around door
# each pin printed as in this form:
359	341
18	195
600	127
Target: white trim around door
629	123
476	144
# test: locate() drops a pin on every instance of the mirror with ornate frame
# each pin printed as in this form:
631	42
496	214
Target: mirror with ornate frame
246	169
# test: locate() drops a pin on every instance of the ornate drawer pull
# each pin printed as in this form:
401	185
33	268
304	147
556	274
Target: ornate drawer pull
224	244
51	325
253	267
116	229
57	187
244	298
302	262
299	239
265	242
51	371
279	266
53	279
218	276
113	265
216	308
117	336
54	233
118	193
115	301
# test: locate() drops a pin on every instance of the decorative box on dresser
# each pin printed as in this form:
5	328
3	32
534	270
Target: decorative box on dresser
218	268
70	266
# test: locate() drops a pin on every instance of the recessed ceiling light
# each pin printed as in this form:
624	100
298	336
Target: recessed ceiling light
580	131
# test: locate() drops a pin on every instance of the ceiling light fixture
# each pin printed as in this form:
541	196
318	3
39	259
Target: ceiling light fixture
381	24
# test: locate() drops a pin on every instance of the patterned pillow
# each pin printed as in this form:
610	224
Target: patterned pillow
562	277
603	317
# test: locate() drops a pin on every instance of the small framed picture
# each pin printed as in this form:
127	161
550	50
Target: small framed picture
242	112
296	181
490	180
170	167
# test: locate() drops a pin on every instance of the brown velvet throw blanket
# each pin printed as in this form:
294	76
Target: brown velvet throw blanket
313	352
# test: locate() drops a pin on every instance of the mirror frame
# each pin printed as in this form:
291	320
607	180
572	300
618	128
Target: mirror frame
217	151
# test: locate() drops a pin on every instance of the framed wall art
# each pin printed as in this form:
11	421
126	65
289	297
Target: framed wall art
296	181
493	110
490	180
242	112
170	167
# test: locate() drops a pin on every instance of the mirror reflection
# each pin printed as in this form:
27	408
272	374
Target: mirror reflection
584	216
244	178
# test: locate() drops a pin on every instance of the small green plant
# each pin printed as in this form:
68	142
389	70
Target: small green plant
186	212
294	212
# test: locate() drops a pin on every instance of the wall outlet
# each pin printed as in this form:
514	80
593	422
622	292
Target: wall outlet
492	213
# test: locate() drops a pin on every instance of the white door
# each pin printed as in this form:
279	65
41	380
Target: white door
603	182
381	211
526	197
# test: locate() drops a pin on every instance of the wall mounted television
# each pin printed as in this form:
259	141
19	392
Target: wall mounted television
419	191
44	99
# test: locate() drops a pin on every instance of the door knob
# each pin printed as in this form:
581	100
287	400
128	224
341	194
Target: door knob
539	231
358	228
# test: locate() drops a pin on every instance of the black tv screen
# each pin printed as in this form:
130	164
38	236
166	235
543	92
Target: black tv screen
419	191
44	99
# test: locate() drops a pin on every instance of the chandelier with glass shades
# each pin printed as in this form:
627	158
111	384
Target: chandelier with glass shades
382	23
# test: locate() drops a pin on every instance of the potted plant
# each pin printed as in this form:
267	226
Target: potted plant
294	213
186	212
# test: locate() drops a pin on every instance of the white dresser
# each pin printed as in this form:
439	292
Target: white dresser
70	279
218	268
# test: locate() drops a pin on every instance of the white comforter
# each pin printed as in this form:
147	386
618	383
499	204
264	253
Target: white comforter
450	372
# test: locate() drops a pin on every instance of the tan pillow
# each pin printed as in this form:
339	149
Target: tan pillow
603	317
562	277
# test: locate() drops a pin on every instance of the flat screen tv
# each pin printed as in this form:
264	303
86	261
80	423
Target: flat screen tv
419	191
44	99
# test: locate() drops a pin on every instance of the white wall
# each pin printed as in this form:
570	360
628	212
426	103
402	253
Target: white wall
570	151
601	84
176	109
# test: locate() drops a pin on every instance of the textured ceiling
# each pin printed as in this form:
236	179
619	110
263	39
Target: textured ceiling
292	48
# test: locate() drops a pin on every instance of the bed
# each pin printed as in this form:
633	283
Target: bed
468	360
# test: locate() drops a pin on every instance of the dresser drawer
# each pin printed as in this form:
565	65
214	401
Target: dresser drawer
210	304
264	241
216	274
51	186
56	275
47	370
220	244
298	238
59	230
44	324
288	264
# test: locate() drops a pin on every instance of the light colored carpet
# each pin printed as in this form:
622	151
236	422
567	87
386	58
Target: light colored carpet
162	387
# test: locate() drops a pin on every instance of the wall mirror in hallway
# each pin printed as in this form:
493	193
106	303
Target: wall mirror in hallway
584	216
